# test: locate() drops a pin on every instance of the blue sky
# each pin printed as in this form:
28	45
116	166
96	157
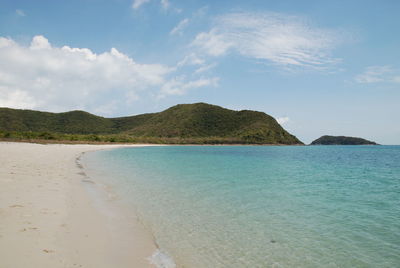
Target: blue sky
319	67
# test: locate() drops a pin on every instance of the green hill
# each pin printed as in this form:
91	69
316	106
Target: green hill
183	123
70	122
341	140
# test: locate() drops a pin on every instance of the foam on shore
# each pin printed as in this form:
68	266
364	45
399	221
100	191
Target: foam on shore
162	260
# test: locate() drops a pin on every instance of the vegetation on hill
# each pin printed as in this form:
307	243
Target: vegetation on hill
198	123
341	140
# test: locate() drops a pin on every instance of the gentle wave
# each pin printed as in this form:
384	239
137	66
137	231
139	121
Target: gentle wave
255	206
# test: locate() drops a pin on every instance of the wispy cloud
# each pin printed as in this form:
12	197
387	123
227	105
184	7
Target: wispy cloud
376	74
277	38
165	4
191	59
138	3
179	86
205	68
282	120
178	29
396	79
20	12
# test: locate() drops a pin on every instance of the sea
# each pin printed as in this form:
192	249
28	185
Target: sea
261	206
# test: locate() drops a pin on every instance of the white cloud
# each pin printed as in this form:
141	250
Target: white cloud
52	78
107	108
178	29
165	4
20	12
277	38
41	76
282	120
376	74
40	42
16	98
138	3
178	85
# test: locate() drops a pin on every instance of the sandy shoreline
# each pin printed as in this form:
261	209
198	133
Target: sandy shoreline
48	218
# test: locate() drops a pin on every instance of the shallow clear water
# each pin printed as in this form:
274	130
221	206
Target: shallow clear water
263	206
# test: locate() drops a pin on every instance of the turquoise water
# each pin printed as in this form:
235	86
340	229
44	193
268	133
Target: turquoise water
263	206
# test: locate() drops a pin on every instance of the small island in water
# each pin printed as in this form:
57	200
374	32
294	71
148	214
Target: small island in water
341	140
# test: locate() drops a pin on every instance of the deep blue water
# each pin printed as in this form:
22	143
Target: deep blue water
263	206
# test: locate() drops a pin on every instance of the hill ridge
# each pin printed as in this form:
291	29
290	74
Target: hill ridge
182	123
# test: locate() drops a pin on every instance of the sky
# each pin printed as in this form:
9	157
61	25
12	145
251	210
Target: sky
318	67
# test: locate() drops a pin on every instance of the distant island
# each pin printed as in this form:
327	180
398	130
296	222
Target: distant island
341	140
198	123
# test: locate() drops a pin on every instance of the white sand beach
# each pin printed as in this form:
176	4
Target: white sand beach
48	218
